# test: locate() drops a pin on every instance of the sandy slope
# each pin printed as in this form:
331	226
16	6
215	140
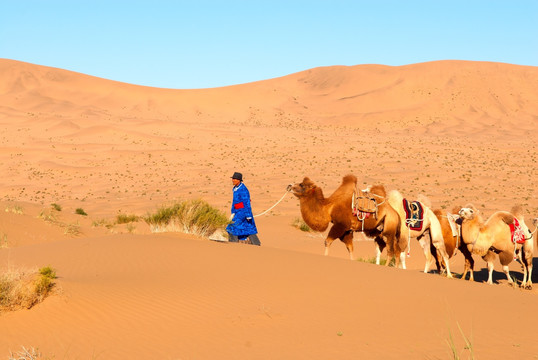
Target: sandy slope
457	132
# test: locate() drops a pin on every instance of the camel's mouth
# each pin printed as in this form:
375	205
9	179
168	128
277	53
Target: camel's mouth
296	189
466	213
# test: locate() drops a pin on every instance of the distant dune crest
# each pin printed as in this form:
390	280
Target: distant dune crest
442	93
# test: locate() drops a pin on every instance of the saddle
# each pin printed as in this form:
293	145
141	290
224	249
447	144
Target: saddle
518	235
363	205
414	214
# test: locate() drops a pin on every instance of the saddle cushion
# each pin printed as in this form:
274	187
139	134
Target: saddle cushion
518	236
414	214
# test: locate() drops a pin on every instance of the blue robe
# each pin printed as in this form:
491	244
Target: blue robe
243	222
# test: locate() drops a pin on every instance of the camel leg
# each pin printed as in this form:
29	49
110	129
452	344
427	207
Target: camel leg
523	262
469	262
527	252
347	239
528	285
402	259
427	255
337	232
490	273
436	237
379	246
377	254
328	243
506	270
468	268
527	259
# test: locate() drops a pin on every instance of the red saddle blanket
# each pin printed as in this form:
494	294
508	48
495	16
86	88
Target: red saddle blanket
414	214
518	235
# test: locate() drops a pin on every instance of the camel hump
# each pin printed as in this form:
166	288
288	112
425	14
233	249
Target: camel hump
517	210
349	178
394	197
424	200
506	217
377	189
456	209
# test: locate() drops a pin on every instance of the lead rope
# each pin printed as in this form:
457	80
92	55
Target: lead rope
288	189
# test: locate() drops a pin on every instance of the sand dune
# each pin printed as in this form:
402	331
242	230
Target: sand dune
457	132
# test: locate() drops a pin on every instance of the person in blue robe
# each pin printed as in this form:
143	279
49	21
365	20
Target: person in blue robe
243	225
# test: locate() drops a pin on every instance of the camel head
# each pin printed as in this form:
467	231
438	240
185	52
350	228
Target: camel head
468	213
303	188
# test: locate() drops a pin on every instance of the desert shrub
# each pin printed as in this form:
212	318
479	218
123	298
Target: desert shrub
24	289
192	217
56	207
301	225
80	211
371	260
125	219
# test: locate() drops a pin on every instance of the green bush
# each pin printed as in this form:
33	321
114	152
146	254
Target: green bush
80	211
192	217
301	225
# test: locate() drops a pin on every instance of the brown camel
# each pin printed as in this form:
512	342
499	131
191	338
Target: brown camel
494	237
318	211
452	236
429	225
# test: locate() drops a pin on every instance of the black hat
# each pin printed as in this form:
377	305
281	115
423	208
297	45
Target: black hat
237	176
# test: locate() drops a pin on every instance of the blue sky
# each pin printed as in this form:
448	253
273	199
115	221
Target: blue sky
200	44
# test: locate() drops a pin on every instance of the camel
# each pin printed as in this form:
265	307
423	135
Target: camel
428	224
378	220
318	211
451	228
494	237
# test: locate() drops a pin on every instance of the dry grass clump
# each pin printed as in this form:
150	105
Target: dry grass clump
26	354
51	216
22	289
191	217
125	219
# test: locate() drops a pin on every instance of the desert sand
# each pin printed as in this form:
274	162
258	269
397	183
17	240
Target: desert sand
456	132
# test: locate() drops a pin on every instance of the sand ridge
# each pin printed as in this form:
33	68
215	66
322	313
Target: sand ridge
457	132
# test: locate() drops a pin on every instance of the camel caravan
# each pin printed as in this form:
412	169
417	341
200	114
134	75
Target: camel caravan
393	221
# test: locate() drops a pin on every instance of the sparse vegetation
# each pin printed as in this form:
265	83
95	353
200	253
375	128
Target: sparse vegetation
15	209
23	288
56	207
192	217
455	354
371	260
26	354
80	211
125	219
301	225
72	229
4	244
